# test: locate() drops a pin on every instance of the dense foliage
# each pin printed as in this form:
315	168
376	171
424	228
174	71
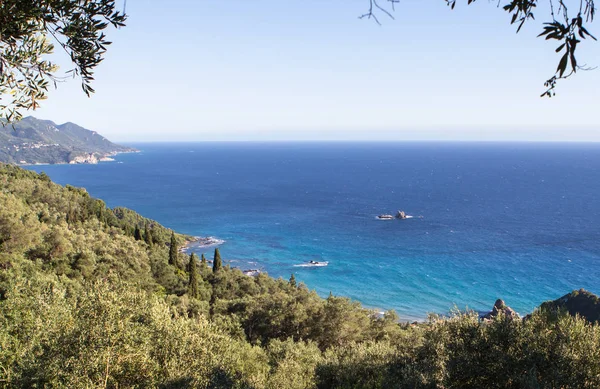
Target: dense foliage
85	304
29	29
579	302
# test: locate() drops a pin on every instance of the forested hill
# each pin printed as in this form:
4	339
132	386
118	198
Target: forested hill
92	297
32	141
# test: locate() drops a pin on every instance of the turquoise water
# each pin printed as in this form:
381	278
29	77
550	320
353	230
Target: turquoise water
511	221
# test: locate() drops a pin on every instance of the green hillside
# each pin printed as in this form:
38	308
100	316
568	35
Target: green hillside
92	297
33	141
578	302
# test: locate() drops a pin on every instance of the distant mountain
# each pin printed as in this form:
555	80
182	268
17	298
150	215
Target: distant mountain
35	141
581	302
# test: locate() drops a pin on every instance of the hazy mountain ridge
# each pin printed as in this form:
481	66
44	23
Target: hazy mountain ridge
36	141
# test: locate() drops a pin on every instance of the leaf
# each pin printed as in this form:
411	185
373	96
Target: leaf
559	48
562	65
573	60
587	33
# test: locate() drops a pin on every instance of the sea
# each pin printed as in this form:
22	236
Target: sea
517	221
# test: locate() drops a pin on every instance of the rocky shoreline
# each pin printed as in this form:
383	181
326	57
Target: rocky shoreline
82	159
200	242
94	158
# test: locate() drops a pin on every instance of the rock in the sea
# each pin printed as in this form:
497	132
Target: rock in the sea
500	306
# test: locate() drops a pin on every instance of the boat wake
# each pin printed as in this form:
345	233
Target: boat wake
312	264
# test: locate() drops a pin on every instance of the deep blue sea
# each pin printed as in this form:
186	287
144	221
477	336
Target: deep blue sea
514	221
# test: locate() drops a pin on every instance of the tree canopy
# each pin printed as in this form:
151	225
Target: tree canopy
29	31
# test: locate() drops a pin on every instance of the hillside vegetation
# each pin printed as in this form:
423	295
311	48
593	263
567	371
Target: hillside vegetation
578	302
32	141
92	297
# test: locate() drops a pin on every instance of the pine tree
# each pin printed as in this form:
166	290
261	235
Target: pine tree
173	250
293	280
217	263
147	236
137	234
193	277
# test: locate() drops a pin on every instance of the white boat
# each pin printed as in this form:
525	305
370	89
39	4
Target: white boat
385	217
313	264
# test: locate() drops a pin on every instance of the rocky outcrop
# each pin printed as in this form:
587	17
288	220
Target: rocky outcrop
401	215
578	302
85	158
501	308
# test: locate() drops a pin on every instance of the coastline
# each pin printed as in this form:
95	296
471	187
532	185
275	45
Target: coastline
211	242
412	267
94	156
200	242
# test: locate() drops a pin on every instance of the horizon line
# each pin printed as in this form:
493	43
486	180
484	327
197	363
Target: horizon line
363	141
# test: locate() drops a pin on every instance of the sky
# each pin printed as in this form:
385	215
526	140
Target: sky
188	70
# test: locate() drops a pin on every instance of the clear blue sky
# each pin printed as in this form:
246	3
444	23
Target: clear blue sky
310	69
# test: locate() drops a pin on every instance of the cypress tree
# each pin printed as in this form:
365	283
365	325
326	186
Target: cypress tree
211	303
193	277
147	236
173	250
217	261
137	234
293	280
203	261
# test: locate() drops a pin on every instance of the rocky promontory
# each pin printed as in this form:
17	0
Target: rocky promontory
579	302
